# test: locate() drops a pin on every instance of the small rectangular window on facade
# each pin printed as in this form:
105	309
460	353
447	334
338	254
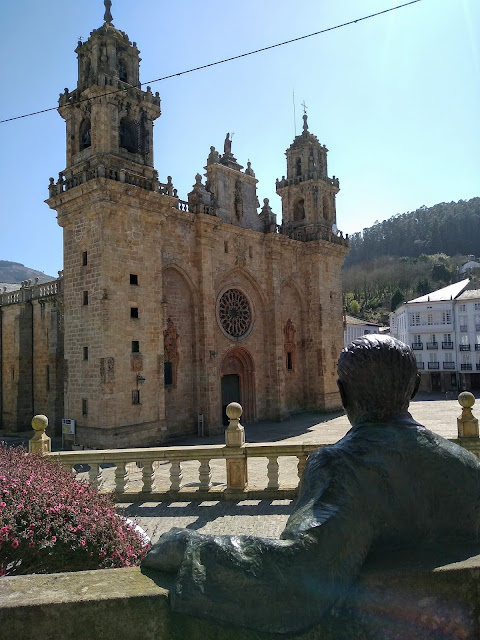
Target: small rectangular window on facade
84	407
85	353
134	312
289	361
85	258
168	374
135	346
225	246
136	396
133	278
85	298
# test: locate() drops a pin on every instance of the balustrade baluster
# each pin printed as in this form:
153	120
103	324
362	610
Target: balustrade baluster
148	477
175	475
121	477
95	474
272	472
205	475
302	461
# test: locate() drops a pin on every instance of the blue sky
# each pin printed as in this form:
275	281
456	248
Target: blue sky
395	98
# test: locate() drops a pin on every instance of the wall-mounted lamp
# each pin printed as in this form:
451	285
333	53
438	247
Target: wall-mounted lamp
213	355
140	379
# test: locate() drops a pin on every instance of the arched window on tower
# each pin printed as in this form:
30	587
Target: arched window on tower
85	134
122	71
299	210
298	167
327	210
128	135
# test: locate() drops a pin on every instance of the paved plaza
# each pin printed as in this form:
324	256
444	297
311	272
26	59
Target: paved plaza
267	518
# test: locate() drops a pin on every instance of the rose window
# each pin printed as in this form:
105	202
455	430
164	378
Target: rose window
234	313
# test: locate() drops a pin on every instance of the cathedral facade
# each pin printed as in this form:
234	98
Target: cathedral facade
169	309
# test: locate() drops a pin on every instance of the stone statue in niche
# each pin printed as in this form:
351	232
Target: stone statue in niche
289	332
170	342
390	483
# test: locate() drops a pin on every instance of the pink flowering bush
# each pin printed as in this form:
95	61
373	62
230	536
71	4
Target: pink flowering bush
50	522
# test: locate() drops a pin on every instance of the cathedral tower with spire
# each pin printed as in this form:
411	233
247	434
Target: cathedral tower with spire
308	194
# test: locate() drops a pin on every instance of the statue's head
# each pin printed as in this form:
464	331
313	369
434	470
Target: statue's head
377	377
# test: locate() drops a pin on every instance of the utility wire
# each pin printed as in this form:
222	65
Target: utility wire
213	64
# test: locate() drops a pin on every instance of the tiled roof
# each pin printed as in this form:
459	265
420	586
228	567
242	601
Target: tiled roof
447	293
469	294
353	320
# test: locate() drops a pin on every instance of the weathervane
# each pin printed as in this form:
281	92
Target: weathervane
305	117
108	14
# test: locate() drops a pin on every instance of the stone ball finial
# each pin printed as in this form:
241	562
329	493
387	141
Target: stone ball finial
466	399
234	410
266	202
39	423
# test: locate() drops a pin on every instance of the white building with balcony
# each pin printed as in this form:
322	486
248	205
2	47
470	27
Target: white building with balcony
443	329
467	320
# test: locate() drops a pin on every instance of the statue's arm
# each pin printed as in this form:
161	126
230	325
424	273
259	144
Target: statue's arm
273	585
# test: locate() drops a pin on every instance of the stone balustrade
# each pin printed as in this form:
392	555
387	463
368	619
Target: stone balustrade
73	178
310	232
129	463
33	291
157	473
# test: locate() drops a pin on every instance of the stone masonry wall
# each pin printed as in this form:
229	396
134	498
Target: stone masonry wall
183	263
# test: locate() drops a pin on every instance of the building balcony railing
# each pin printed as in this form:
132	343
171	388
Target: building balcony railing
420	365
464	328
432	345
477	347
447	345
434	365
466	366
449	365
417	346
464	347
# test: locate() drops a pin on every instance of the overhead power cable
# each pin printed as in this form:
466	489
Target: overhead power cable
237	57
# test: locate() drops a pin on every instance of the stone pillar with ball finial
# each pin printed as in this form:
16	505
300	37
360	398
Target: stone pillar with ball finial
237	478
40	443
467	424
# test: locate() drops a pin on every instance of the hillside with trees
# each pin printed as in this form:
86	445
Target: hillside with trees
446	228
407	256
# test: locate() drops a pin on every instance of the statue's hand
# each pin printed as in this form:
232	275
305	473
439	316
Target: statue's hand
167	554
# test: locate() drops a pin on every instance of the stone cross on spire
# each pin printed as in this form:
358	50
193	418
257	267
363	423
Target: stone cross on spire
305	117
108	14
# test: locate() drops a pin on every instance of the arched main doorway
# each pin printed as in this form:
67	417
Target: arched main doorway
238	382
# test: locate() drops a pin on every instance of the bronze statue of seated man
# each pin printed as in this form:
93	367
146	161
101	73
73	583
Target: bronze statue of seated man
390	482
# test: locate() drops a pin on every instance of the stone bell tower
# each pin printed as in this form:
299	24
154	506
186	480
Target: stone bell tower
308	194
109	118
109	202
